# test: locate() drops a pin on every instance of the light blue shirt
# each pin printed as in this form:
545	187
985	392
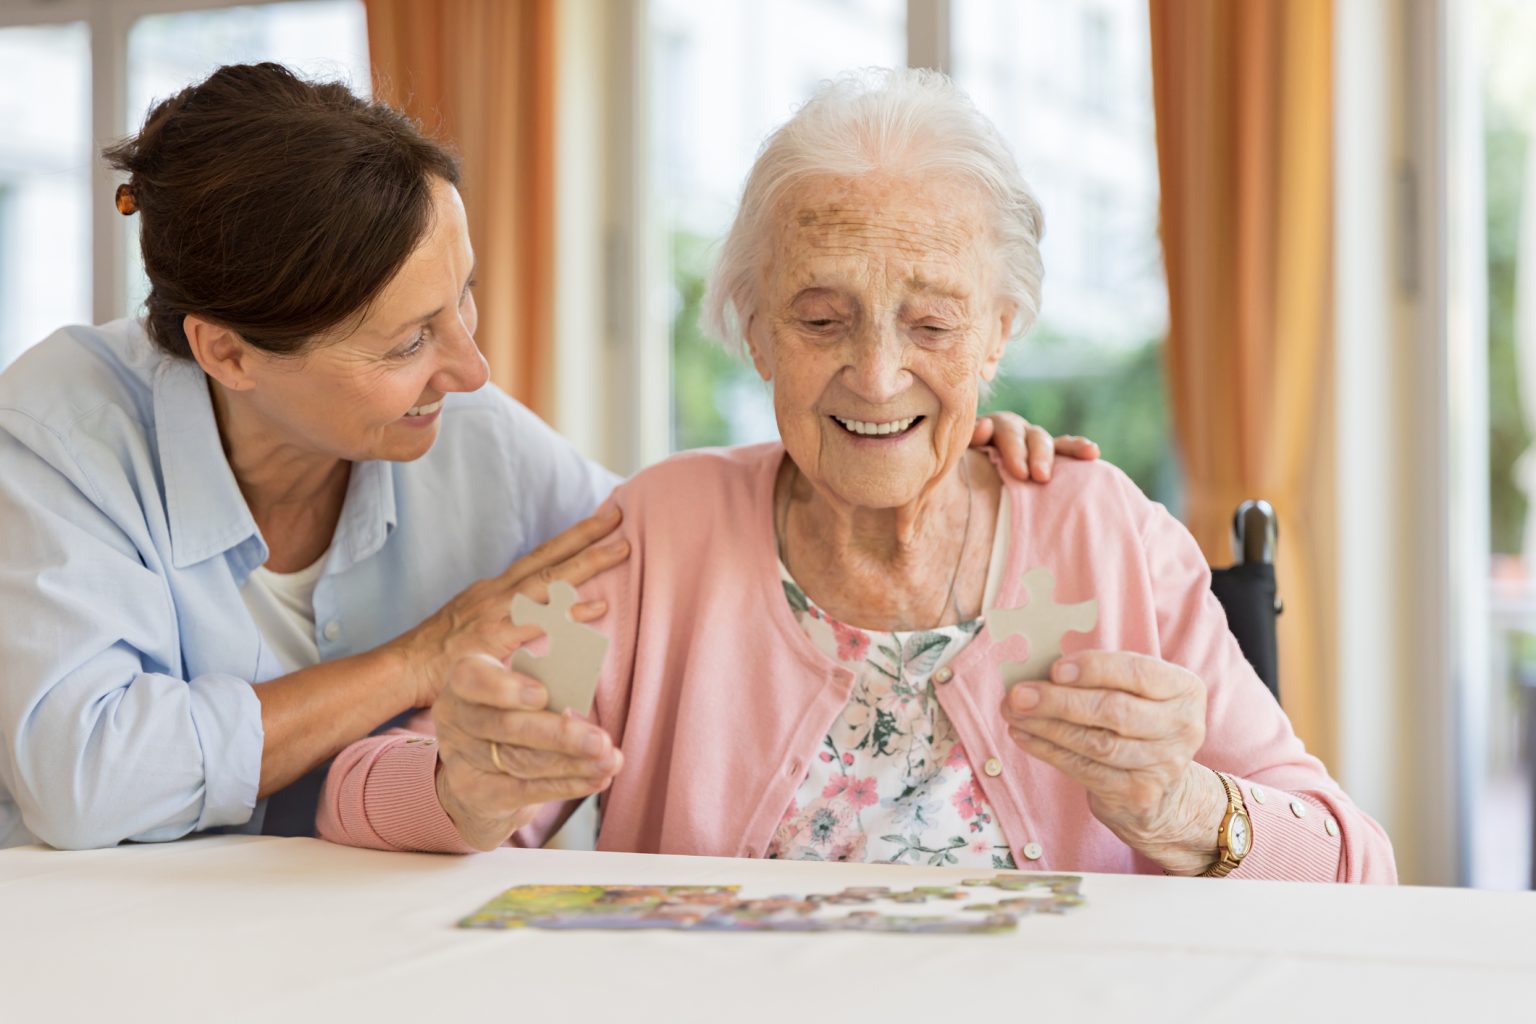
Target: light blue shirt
126	652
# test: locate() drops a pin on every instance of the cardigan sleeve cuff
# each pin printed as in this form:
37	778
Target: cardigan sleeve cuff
387	799
1296	836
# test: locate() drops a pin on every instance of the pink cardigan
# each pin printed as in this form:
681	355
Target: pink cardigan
717	697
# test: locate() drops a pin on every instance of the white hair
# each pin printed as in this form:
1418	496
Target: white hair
908	122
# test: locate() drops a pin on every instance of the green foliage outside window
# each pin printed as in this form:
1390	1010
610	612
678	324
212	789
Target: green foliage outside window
1117	398
1506	150
701	367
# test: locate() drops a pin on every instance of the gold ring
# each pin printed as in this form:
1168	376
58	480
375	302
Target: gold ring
496	758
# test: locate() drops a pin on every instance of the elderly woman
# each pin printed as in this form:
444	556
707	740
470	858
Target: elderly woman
799	665
250	528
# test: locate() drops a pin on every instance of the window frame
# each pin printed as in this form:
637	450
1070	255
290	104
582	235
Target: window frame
108	23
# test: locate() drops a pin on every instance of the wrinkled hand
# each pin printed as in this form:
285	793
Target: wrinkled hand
543	756
1027	451
479	620
1127	726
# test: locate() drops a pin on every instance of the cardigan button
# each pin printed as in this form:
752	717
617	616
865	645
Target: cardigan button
993	767
1298	808
1331	827
1258	794
944	675
1033	851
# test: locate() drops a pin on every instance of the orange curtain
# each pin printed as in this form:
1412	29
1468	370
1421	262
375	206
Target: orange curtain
1243	92
481	74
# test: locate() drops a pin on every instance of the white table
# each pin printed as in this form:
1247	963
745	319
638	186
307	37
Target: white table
247	928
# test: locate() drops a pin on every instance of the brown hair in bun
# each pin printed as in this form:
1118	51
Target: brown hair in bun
274	206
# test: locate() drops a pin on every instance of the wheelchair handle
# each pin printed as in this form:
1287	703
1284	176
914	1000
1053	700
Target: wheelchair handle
1255	532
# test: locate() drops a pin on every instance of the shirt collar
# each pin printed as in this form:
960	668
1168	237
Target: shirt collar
206	512
204	508
367	515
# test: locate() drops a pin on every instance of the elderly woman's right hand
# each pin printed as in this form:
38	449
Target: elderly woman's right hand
479	620
500	755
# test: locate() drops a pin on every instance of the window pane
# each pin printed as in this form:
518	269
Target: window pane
1069	84
725	75
45	182
1501	834
321	40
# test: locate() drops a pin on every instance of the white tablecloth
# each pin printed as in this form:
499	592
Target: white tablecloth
246	928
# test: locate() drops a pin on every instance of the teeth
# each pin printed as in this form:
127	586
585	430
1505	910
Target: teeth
424	410
876	429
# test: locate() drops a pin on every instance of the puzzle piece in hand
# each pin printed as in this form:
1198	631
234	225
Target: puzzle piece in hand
570	670
1042	623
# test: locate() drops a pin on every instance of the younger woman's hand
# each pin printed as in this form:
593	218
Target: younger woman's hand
1028	452
479	620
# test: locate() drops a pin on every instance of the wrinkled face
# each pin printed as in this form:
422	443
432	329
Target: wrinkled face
375	392
876	315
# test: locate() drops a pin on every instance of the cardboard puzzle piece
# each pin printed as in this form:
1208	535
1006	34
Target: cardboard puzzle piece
721	908
575	659
1042	622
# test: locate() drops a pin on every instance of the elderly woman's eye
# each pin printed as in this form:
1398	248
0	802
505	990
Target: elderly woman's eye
819	323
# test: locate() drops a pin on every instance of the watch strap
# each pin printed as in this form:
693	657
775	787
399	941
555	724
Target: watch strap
1227	862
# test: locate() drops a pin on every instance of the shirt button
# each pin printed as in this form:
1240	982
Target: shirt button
1330	826
993	767
1033	851
1298	808
1258	794
944	675
332	630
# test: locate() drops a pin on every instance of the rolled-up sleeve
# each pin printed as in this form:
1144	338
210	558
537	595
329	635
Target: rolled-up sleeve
101	740
1304	826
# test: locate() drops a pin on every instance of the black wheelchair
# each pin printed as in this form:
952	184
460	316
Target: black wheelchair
1247	589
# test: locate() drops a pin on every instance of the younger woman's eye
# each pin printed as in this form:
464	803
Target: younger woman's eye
412	348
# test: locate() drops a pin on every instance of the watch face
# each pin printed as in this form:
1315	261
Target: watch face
1239	838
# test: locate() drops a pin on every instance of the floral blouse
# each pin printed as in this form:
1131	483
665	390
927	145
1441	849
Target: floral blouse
892	782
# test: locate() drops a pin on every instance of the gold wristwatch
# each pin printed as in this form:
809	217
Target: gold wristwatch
1235	837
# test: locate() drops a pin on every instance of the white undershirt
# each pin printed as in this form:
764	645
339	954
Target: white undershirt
283	605
998	563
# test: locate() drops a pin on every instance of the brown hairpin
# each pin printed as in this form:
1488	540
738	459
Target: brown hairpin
127	201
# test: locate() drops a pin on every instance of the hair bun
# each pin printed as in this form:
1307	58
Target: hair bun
127	200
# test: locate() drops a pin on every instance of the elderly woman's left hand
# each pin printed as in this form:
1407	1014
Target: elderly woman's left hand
1127	727
1028	451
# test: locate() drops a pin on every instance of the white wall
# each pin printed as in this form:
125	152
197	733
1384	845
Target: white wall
1400	511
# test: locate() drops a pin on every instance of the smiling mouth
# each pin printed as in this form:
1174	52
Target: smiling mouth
866	428
424	410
